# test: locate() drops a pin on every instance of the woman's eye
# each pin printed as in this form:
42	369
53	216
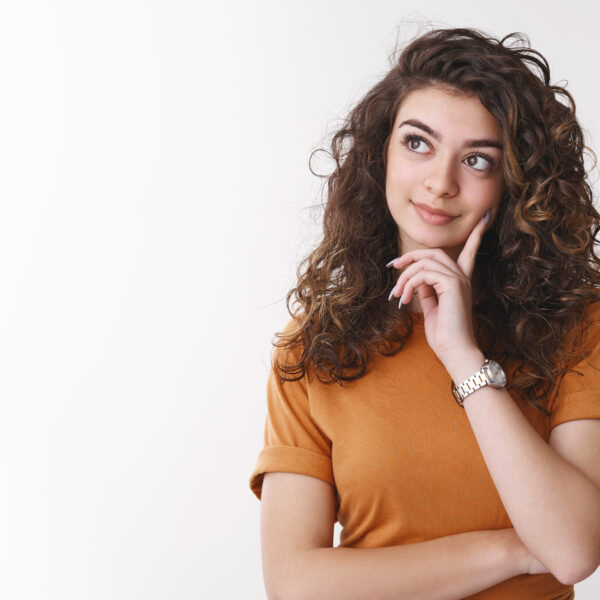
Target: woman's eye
413	142
478	162
485	163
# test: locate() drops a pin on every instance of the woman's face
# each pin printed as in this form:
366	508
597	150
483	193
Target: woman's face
443	169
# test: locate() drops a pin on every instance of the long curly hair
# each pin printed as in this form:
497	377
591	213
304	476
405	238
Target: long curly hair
536	270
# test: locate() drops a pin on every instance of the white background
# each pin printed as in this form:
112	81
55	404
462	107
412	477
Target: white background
154	207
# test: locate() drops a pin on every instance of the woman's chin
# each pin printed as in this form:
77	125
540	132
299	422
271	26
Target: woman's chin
439	242
449	246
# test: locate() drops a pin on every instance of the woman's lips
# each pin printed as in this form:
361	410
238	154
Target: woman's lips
432	218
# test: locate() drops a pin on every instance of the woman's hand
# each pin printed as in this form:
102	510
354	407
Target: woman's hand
444	289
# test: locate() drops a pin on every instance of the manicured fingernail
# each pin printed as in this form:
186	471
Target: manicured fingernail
392	261
487	216
391	293
402	300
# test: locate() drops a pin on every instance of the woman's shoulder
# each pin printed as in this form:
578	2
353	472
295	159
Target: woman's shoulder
593	311
288	342
589	339
592	319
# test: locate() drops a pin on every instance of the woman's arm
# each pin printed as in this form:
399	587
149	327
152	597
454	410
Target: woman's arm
299	562
447	568
554	507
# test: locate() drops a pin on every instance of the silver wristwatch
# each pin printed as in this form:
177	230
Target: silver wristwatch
491	373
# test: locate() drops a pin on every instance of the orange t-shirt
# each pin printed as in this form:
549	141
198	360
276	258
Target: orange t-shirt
401	454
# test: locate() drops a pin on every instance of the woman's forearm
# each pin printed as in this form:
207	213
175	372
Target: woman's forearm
447	568
552	505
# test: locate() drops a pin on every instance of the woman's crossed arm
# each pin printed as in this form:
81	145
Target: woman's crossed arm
299	562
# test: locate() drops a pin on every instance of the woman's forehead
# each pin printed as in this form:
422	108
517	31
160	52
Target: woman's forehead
443	113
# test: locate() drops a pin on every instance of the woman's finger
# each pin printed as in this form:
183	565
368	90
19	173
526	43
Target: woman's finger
424	263
433	253
439	281
427	297
466	259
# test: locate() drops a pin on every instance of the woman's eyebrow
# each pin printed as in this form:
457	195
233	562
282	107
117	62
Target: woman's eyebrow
468	143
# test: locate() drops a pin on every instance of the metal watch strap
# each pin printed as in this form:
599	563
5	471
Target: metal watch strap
469	385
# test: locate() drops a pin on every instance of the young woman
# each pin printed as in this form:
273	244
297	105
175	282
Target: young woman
437	390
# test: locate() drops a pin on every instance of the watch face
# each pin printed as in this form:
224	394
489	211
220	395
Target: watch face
497	373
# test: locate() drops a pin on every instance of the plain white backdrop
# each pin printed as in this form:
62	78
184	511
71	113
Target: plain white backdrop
154	207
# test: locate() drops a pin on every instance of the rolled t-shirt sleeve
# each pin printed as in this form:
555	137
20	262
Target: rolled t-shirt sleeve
578	395
293	441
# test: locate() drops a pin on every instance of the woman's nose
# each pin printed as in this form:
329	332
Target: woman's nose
441	179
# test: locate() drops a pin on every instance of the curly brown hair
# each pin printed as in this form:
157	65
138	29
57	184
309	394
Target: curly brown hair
536	270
